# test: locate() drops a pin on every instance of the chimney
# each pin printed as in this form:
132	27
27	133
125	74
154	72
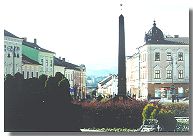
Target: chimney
176	36
59	58
63	59
35	41
25	39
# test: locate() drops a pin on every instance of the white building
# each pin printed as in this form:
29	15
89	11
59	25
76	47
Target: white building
30	68
12	53
160	63
108	86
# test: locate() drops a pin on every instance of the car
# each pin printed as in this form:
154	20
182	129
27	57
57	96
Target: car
150	125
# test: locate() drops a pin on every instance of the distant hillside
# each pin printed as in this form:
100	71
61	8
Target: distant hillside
101	72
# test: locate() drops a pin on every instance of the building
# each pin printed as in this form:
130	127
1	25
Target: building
75	74
41	55
30	68
160	68
109	86
12	53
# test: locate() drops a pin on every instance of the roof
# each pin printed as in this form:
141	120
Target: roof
26	60
59	62
34	45
179	40
155	36
106	80
6	33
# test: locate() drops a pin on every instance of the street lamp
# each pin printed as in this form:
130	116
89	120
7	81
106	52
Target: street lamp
139	72
172	87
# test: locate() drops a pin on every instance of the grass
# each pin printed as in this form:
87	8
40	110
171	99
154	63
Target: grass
182	126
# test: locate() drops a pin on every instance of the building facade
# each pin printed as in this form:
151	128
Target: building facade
160	68
30	68
41	55
12	53
108	87
75	74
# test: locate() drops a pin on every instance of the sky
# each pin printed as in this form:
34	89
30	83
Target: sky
86	31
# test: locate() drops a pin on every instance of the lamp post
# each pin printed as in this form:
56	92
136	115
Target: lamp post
139	88
172	87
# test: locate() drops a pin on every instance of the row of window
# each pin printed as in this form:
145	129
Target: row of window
11	48
169	56
14	55
157	74
42	62
33	74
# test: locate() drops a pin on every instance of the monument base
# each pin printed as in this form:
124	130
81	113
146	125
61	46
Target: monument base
122	98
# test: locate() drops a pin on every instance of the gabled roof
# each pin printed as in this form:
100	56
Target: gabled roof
34	45
26	60
107	79
104	81
67	65
6	33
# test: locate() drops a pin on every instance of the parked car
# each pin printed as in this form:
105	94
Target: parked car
150	125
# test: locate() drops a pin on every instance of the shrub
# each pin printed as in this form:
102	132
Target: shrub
112	114
178	109
167	120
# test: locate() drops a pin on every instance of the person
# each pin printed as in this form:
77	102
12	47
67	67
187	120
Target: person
177	98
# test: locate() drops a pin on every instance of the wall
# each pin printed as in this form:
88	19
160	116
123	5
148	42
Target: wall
13	63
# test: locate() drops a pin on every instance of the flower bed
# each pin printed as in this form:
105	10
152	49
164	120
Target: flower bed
110	114
179	109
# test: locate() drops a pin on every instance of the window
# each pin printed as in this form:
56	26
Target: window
157	56
8	55
46	62
23	74
157	74
17	55
169	74
5	48
37	74
42	61
32	74
180	56
27	74
180	74
169	56
50	63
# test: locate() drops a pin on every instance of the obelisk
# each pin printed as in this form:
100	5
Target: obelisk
121	59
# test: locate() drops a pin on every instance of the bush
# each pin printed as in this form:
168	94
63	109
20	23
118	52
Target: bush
167	120
110	114
178	109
